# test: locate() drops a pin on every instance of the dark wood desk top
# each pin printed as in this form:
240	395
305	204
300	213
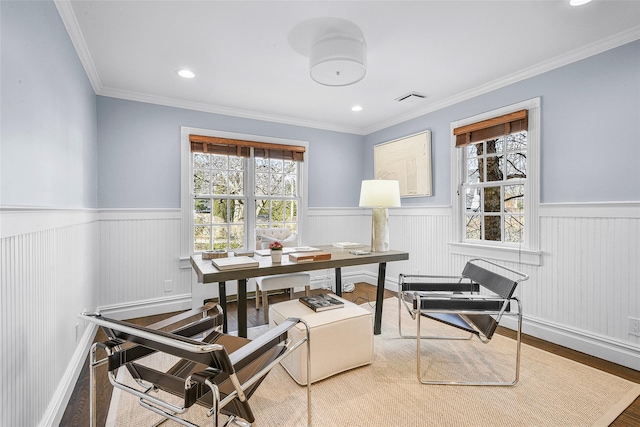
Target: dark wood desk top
207	273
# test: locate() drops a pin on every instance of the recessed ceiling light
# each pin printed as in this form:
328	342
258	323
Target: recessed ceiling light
187	74
578	2
356	108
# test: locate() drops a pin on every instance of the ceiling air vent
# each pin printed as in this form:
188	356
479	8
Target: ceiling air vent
411	97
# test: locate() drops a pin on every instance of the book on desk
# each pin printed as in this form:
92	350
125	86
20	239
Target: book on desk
235	262
321	302
287	250
309	256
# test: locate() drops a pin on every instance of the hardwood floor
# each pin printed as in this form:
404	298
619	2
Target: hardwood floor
77	412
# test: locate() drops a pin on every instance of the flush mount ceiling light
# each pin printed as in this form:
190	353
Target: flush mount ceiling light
338	60
578	2
187	74
356	108
336	50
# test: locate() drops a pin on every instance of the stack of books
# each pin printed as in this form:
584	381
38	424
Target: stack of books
321	302
235	262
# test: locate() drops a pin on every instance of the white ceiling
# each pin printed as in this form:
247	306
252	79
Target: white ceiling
246	66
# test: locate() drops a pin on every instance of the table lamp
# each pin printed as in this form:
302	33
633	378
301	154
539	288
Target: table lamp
380	194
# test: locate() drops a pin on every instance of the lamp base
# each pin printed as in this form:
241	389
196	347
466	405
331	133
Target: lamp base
380	230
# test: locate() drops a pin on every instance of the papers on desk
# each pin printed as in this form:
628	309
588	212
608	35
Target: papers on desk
347	245
287	250
235	262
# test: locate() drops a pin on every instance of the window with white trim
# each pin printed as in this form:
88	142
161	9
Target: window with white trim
219	201
240	185
496	176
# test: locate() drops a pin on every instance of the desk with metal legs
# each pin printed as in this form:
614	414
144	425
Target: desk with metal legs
207	273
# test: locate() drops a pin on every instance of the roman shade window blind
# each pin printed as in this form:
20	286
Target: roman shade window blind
241	148
492	128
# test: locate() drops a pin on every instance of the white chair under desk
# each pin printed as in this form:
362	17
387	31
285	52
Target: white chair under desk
264	236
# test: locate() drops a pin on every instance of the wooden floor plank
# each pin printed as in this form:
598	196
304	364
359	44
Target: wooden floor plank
77	412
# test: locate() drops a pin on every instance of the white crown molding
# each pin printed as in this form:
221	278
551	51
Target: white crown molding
73	28
543	67
226	111
71	24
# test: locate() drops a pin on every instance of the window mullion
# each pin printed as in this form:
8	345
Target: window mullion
519	228
250	199
503	216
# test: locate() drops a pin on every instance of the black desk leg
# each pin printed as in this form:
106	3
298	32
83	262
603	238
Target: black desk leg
222	297
377	322
339	281
242	308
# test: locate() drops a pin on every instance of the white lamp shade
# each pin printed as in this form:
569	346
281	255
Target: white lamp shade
380	193
338	60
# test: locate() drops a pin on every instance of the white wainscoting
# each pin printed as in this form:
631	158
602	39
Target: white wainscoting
423	232
47	277
588	284
139	263
581	296
56	263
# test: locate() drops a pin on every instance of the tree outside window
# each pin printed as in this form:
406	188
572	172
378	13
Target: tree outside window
494	189
220	200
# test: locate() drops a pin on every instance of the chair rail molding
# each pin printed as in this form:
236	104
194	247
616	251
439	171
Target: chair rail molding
19	220
591	210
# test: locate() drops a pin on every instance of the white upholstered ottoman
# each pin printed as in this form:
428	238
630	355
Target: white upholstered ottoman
341	339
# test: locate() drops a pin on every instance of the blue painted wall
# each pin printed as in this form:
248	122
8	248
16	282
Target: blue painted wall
48	143
139	154
62	146
590	130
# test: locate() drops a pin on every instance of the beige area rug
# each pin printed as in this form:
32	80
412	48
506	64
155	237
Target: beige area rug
552	391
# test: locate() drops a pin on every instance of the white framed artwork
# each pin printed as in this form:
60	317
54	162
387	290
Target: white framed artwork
407	160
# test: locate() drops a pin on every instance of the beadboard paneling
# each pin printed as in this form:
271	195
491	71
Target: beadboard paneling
46	278
139	251
590	278
423	233
581	295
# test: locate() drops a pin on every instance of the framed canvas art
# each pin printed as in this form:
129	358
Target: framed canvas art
407	160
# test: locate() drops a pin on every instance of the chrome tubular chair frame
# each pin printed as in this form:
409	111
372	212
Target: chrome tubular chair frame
209	374
408	282
458	302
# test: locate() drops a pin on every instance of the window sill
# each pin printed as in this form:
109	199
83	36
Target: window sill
522	256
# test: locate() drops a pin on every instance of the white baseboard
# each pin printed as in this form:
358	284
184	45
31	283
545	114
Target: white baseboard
148	307
598	346
60	399
347	277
